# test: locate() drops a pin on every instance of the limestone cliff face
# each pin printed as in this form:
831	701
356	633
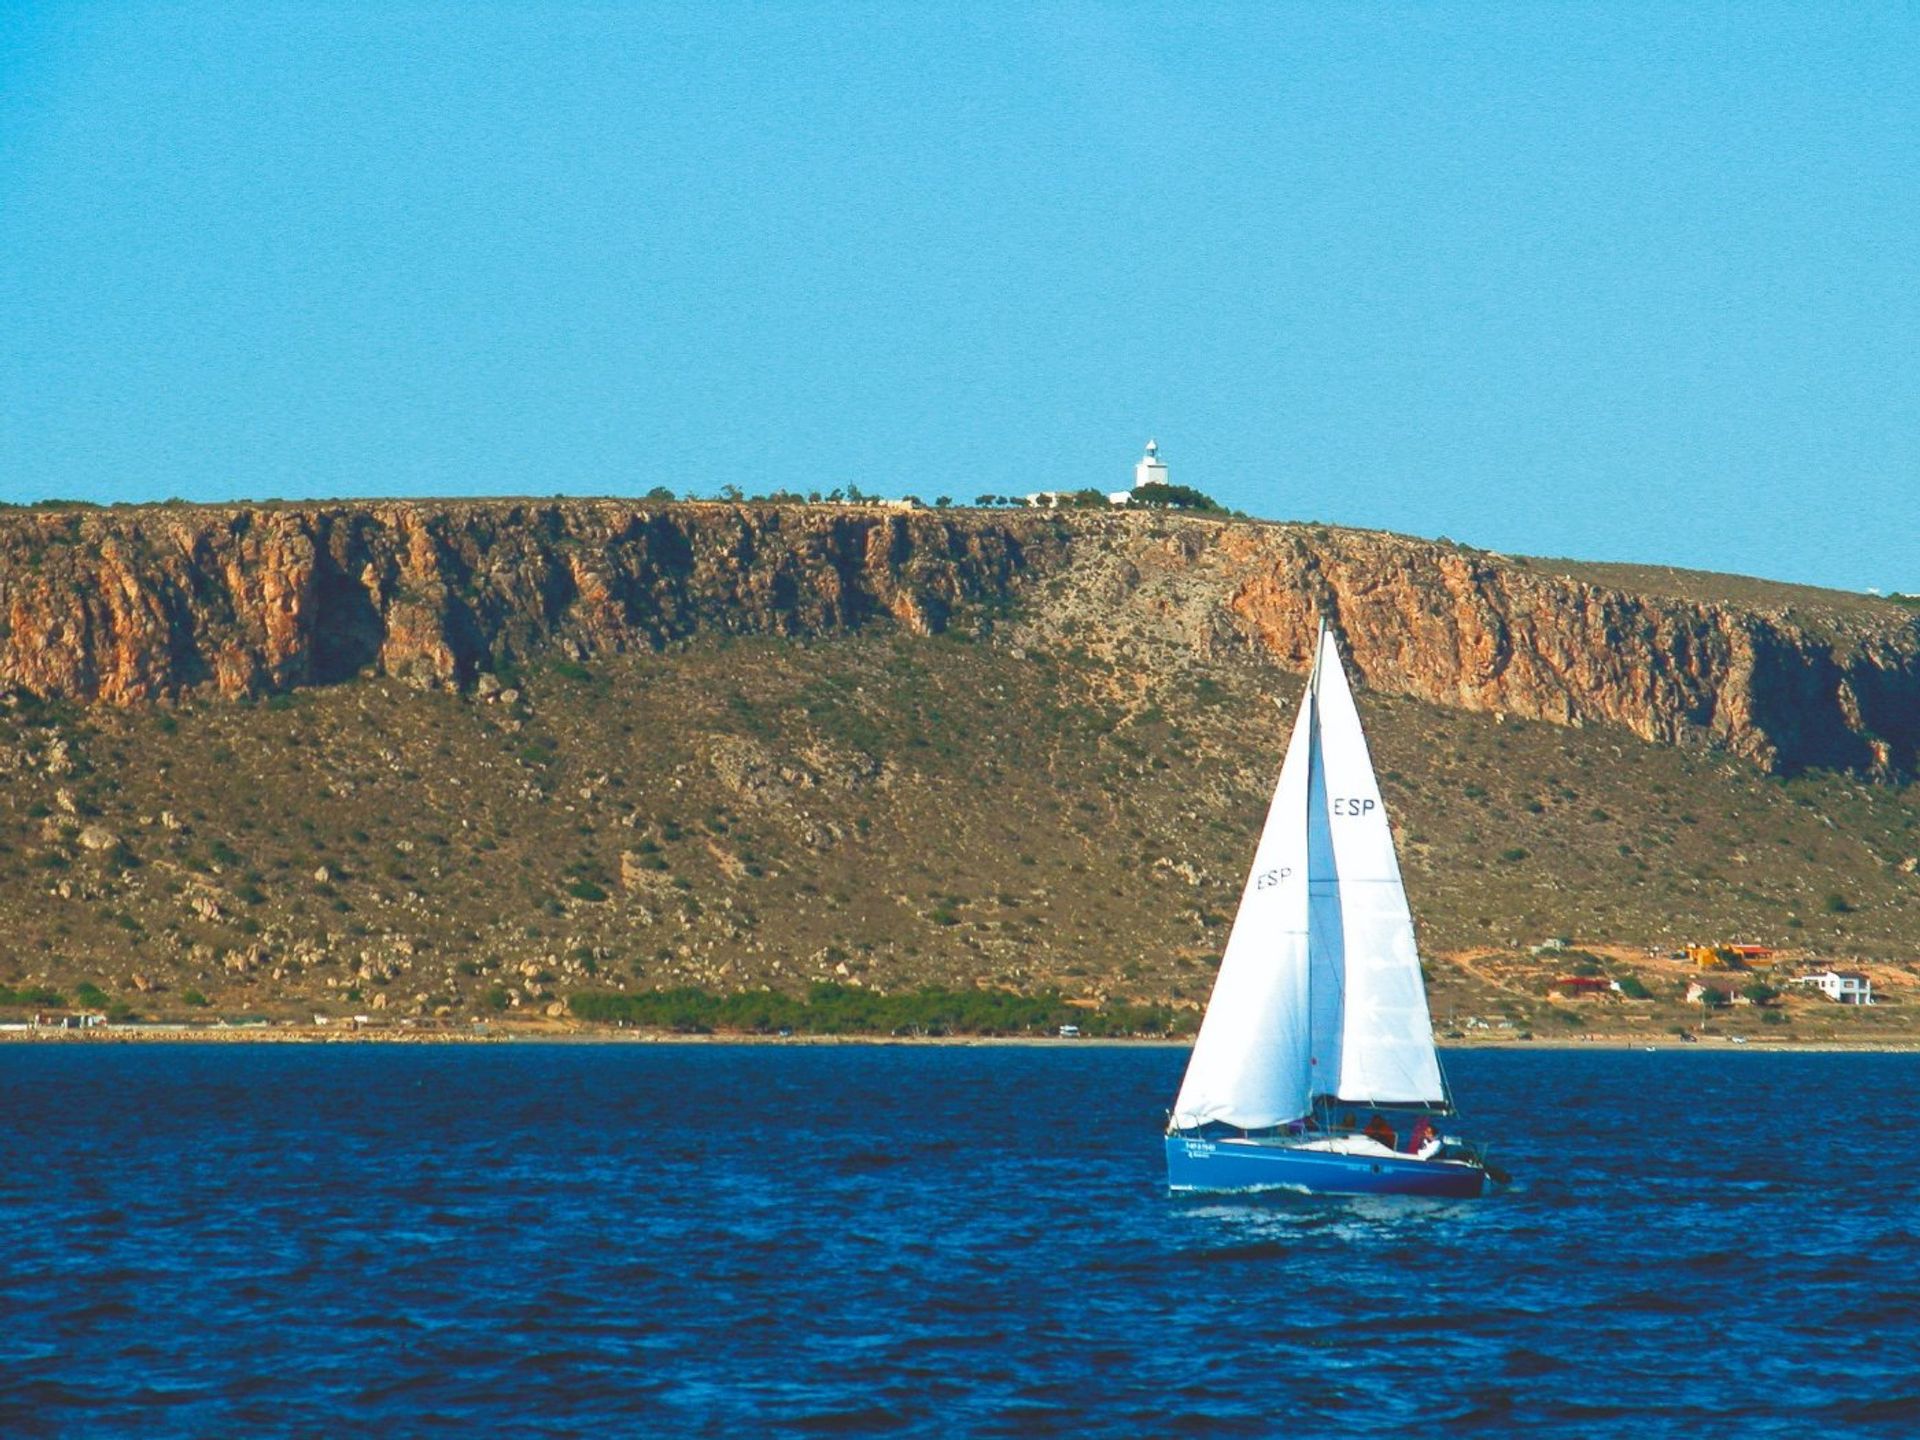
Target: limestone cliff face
136	605
1478	632
144	604
1817	680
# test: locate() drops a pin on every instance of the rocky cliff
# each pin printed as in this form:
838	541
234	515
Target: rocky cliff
143	604
147	604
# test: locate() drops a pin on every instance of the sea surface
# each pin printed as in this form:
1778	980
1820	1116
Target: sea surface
636	1240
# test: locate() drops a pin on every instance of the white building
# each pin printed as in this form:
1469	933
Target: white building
1845	987
1150	470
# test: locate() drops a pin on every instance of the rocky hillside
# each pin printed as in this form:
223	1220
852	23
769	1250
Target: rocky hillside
141	604
443	761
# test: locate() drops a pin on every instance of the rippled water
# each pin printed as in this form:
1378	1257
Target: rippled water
621	1240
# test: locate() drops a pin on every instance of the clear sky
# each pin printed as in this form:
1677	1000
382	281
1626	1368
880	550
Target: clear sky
1619	282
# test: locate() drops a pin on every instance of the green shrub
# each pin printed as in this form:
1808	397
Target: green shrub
194	998
833	1009
586	890
1160	496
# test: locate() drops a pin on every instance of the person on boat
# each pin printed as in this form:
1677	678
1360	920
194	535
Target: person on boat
1379	1131
1423	1134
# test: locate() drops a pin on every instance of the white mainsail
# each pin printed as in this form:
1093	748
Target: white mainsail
1319	992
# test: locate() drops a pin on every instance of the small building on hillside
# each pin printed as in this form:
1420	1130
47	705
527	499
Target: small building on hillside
1843	987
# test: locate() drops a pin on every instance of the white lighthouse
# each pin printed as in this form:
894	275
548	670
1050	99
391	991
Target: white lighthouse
1151	470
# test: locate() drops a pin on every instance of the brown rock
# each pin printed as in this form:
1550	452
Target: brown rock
146	603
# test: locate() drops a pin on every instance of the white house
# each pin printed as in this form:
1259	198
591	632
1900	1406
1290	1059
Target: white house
1845	987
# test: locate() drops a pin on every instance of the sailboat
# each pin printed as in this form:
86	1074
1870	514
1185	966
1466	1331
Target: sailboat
1319	1015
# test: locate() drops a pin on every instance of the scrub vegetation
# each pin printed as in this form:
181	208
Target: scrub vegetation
987	830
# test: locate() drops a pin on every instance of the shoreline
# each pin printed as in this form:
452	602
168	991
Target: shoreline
318	1035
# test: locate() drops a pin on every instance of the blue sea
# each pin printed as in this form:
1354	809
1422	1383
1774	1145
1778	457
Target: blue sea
633	1240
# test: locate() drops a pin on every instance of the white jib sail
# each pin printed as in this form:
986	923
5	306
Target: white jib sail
1361	923
1251	1065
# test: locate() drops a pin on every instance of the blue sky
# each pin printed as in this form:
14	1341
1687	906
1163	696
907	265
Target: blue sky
1621	282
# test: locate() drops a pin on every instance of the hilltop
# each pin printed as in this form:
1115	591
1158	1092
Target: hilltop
447	760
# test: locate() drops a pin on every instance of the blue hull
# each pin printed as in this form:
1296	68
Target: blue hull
1194	1164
